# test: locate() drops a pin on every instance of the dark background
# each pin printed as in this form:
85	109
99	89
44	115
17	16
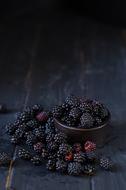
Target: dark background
49	50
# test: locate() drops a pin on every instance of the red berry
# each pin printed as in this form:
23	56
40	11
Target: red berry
69	156
89	146
42	116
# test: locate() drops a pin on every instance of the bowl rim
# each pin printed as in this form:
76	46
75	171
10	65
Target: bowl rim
79	129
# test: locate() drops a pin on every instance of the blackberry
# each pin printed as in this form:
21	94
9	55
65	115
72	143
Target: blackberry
57	111
24	116
86	107
38	147
4	159
60	138
87	121
49	137
106	163
32	124
52	156
74	168
69	121
52	146
65	107
31	139
20	131
36	160
39	133
77	147
10	129
24	154
79	157
51	165
72	101
98	121
75	113
103	112
91	157
44	153
42	117
37	108
49	127
89	169
14	139
64	149
61	166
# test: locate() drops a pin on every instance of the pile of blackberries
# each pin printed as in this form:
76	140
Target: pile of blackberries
81	113
42	143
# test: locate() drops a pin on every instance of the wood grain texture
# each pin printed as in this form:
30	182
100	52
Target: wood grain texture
45	60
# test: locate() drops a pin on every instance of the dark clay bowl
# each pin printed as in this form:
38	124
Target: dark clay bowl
98	134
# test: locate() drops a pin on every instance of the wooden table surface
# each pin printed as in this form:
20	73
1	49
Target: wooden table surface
42	61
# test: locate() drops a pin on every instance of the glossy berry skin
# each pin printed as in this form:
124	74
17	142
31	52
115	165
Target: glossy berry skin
89	146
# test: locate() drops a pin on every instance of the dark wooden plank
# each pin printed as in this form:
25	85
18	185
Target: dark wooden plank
13	74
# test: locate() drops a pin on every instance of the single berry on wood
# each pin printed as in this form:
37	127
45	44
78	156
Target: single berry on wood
74	168
106	163
89	146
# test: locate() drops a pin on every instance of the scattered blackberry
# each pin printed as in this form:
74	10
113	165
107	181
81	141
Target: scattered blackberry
77	147
87	121
60	138
44	153
10	129
51	165
14	139
38	147
31	139
4	159
106	163
61	166
74	168
42	117
24	154
20	131
32	124
52	146
49	137
75	113
89	169
72	101
36	160
37	108
24	116
57	111
64	149
91	157
39	133
79	157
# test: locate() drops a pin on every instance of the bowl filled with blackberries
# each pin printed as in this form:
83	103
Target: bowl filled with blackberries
82	119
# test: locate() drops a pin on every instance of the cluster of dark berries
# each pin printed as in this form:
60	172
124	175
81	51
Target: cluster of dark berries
81	113
34	129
